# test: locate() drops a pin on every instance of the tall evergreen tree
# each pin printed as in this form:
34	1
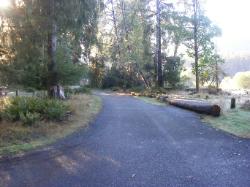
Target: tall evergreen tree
37	27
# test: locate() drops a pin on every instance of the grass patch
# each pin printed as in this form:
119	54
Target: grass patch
236	122
152	101
16	138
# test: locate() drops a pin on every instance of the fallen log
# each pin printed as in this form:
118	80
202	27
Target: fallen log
162	98
197	106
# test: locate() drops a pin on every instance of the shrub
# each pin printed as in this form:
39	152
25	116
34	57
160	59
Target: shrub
120	77
227	83
116	88
138	89
54	109
30	89
82	90
172	70
29	118
246	105
212	90
14	109
29	110
4	101
242	80
68	92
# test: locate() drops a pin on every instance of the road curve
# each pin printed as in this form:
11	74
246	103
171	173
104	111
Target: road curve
133	143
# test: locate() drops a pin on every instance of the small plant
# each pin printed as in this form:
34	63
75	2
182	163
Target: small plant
82	90
4	102
212	90
54	110
242	80
29	110
115	89
68	92
30	90
138	89
246	105
29	118
72	91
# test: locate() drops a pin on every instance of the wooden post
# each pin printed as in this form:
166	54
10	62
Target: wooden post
233	103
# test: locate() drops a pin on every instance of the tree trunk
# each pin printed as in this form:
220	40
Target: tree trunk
196	53
155	68
176	49
217	76
116	30
143	77
160	82
124	20
197	106
52	41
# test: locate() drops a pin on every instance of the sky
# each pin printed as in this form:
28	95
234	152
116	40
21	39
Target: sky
233	19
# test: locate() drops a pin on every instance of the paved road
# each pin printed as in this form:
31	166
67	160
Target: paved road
132	143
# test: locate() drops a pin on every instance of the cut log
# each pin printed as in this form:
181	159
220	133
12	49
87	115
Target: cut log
197	106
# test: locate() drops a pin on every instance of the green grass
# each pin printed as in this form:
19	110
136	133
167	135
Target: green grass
151	100
236	122
16	138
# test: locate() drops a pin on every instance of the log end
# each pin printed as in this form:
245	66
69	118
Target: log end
216	110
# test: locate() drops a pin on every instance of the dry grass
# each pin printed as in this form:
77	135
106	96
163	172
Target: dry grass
15	138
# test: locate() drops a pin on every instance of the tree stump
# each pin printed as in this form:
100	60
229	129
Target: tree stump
57	92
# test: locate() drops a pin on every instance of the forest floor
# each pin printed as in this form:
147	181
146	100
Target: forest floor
16	138
136	143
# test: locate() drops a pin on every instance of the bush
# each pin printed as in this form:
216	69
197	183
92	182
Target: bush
116	89
29	118
242	80
172	71
246	105
138	89
212	90
120	77
54	110
29	110
68	92
82	90
30	90
227	83
4	101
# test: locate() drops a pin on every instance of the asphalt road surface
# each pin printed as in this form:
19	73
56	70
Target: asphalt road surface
133	143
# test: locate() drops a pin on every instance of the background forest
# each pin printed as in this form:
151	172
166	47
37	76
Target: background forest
111	43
